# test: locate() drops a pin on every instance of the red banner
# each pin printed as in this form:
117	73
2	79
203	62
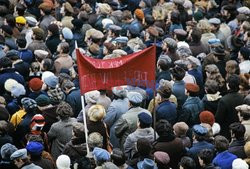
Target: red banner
137	69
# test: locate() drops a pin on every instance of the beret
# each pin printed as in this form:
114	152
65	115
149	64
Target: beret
22	153
180	32
170	42
200	130
192	87
114	27
161	157
35	84
207	117
214	21
101	154
31	20
135	97
134	30
145	118
244	10
43	100
34	148
21	20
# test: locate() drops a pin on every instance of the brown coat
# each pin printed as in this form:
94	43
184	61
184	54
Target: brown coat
63	61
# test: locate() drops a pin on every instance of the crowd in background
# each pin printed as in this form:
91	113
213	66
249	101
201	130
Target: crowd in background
197	117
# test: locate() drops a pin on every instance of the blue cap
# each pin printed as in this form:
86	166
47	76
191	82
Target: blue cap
67	33
51	81
200	130
145	118
34	148
214	41
121	39
22	153
101	154
147	164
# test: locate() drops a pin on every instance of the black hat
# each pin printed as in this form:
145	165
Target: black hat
219	50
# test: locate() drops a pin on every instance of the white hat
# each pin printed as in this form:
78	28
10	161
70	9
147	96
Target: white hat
9	84
47	74
18	90
244	10
239	164
92	96
106	22
63	162
41	53
135	97
214	21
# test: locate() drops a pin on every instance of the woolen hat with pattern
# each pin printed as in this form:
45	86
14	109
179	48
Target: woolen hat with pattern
28	103
207	117
161	157
35	84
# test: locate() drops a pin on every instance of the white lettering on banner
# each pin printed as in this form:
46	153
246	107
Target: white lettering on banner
102	64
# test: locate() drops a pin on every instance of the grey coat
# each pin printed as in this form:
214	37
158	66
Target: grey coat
129	146
128	123
60	134
116	109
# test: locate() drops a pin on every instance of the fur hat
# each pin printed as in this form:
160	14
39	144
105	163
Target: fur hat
207	117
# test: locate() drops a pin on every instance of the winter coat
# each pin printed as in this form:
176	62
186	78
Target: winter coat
45	22
174	148
166	75
127	123
129	145
221	64
197	48
22	67
52	42
63	61
237	148
9	73
26	55
116	109
4	164
198	78
191	110
166	110
179	91
224	160
60	134
74	100
210	102
226	113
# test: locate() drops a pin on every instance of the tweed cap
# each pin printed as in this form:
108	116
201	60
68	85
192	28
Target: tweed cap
170	42
135	97
214	21
21	153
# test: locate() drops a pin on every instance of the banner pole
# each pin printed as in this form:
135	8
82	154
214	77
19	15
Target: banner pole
154	113
85	124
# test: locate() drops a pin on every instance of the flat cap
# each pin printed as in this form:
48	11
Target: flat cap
194	60
121	39
115	27
170	42
180	2
119	91
31	20
97	34
244	10
200	130
214	21
22	153
135	97
41	53
153	31
180	32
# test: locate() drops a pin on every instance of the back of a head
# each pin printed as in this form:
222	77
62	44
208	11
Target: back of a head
118	157
233	82
187	163
221	143
238	130
64	110
196	35
206	155
144	147
164	128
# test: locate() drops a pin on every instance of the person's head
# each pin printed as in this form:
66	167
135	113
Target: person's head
180	129
144	120
178	73
244	54
221	143
244	81
63	162
5	62
232	67
175	17
135	99
38	34
118	157
78	130
101	156
199	132
63	47
47	64
187	163
20	9
64	110
165	91
205	157
29	105
204	26
169	45
21	42
6	151
34	148
143	147
211	86
53	29
233	83
163	65
20	157
192	90
95	139
10	20
126	15
45	8
96	113
164	129
239	163
196	35
237	130
68	86
3	128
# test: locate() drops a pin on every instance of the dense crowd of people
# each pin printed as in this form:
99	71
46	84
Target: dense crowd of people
197	117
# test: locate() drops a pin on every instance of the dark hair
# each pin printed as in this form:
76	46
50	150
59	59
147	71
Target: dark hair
181	37
118	157
21	41
175	17
245	52
135	104
5	62
48	64
149	19
164	129
10	19
20	9
187	163
144	125
238	130
178	73
233	83
221	143
144	147
64	110
196	35
163	64
206	155
64	47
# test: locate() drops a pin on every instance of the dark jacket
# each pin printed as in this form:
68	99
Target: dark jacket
226	113
179	91
197	48
4	164
75	149
74	99
237	148
10	73
23	68
42	162
52	42
191	110
166	110
210	105
26	55
199	79
50	117
222	67
166	75
174	148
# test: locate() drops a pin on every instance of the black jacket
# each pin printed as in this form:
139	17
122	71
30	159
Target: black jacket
52	42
